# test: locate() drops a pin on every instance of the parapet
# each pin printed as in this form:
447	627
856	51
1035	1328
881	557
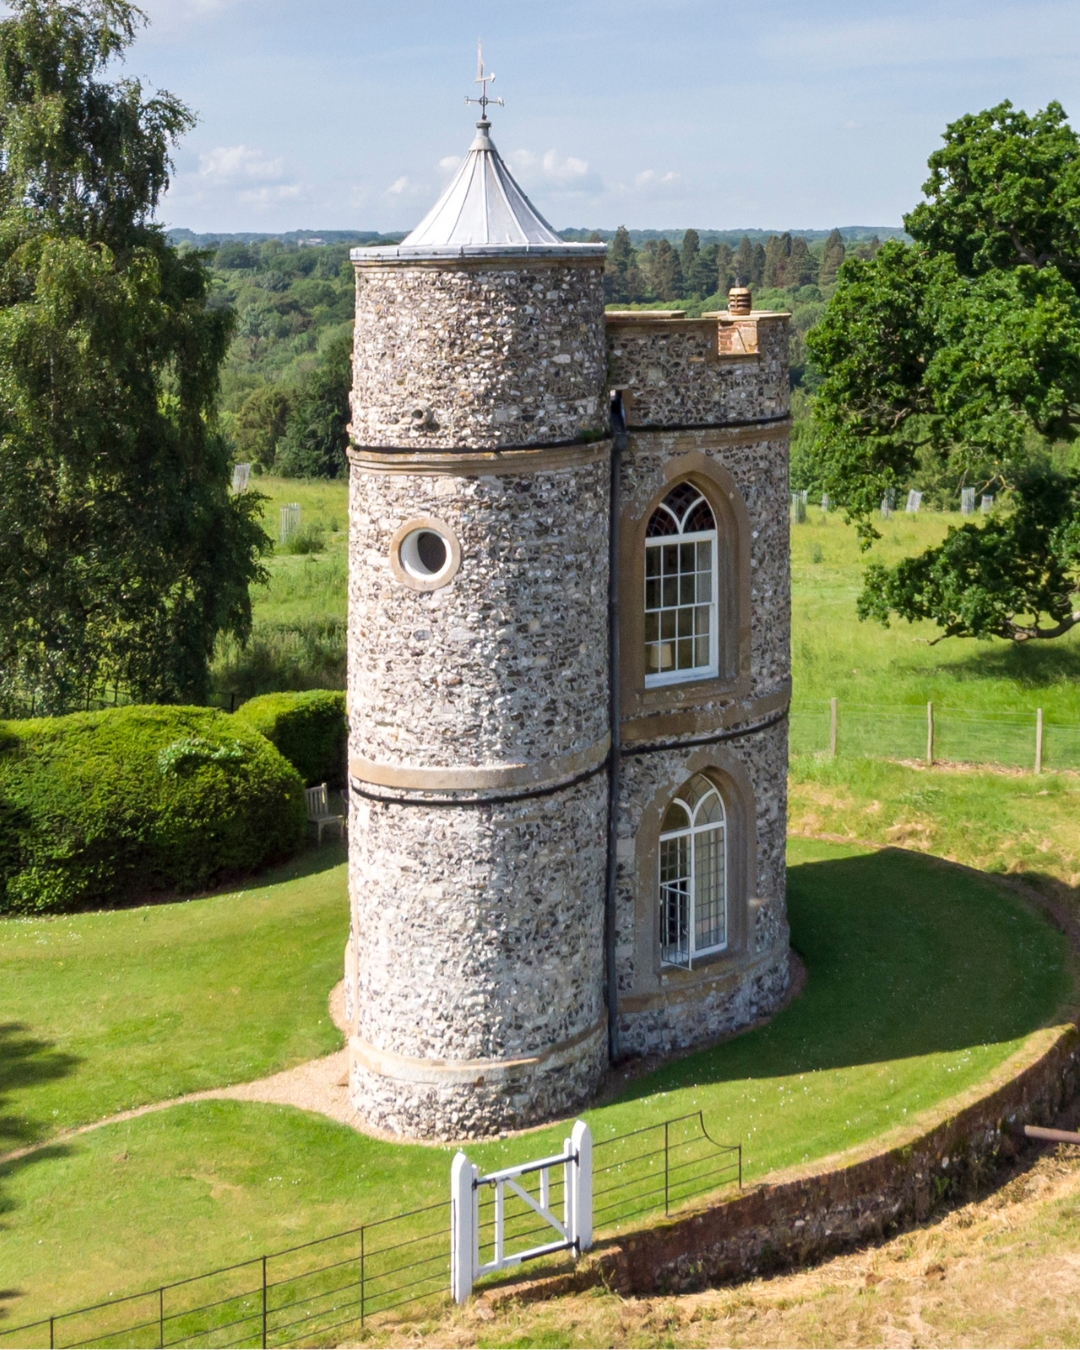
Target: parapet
717	370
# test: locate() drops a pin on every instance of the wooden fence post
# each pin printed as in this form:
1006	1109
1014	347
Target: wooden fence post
930	734
1038	739
832	727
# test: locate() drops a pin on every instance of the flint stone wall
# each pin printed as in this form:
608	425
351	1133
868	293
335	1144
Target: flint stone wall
479	354
478	933
758	462
675	373
507	663
670	1009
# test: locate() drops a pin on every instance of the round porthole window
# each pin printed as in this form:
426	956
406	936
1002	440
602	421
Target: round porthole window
425	554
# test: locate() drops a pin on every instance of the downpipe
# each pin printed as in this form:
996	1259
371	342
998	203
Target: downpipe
618	428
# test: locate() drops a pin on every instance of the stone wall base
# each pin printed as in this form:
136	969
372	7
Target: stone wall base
772	1226
719	1004
471	1099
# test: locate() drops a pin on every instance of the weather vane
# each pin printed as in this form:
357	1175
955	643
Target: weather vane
483	80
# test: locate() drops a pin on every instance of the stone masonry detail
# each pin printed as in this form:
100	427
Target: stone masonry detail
479	714
479	355
476	952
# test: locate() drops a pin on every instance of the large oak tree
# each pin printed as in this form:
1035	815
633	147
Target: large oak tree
964	346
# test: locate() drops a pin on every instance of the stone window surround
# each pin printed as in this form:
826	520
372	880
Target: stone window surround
436	526
728	773
732	563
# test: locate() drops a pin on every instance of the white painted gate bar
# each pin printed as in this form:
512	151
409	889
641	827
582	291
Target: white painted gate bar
574	1230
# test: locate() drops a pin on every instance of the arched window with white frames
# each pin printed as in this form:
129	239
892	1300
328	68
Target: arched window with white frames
682	640
693	875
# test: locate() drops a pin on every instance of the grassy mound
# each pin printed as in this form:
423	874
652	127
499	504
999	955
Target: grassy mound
922	982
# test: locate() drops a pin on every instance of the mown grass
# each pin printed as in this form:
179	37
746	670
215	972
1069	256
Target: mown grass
904	1007
102	1012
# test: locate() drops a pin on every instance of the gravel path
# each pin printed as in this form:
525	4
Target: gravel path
317	1085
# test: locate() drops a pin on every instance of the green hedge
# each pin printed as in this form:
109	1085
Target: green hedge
308	728
103	808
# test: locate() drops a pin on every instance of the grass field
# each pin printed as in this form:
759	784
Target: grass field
103	1012
834	655
901	1010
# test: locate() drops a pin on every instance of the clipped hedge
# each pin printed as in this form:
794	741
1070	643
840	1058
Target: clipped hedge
103	808
308	727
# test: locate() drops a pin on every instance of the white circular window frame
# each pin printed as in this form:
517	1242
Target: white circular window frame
450	568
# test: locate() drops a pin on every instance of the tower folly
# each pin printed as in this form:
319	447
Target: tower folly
479	515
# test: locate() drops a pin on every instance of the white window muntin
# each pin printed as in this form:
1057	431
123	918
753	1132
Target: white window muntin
693	875
674	631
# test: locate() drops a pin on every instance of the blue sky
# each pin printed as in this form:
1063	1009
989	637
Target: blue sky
345	114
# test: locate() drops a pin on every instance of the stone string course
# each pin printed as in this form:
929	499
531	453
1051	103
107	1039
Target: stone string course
478	355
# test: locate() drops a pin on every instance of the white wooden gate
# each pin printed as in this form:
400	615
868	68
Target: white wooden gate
573	1232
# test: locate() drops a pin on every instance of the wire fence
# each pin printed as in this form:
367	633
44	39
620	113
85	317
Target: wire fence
320	1291
1012	740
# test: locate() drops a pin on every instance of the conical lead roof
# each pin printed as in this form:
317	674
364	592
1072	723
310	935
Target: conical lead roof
483	211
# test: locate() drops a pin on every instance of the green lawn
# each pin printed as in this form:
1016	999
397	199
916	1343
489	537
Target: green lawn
922	982
101	1012
834	655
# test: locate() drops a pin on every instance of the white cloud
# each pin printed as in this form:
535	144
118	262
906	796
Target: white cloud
229	165
404	187
554	171
449	163
649	178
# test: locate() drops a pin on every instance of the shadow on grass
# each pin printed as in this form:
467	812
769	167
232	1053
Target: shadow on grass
1032	665
315	858
905	958
25	1061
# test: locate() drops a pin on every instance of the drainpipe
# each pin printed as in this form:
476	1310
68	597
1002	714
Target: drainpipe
618	427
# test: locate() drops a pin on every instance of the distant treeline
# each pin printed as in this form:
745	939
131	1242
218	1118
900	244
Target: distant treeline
664	270
286	381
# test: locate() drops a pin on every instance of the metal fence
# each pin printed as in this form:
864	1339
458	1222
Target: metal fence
333	1286
1012	740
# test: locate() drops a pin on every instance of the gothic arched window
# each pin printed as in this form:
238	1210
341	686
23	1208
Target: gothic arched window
681	589
693	874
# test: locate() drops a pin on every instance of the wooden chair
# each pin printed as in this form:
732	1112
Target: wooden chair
319	813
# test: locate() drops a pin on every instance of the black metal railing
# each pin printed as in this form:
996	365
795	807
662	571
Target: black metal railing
661	1166
333	1284
308	1291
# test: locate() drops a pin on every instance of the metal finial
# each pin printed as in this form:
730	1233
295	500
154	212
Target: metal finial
484	80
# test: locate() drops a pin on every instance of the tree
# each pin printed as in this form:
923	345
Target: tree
777	253
964	346
757	266
744	262
831	259
122	553
617	265
667	279
725	268
801	266
690	262
316	435
1015	577
261	422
